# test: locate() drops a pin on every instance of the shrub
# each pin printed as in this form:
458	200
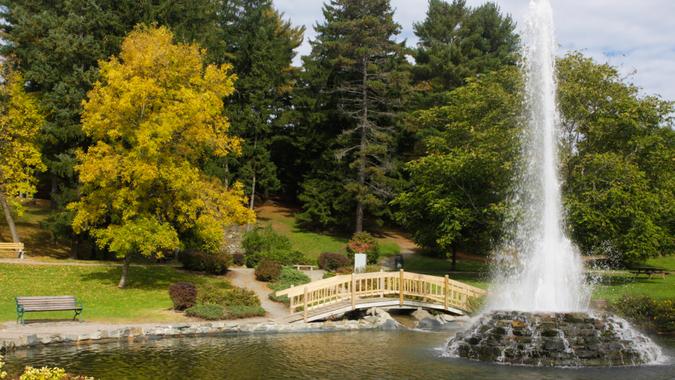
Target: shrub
183	295
648	313
239	259
363	242
332	261
212	294
216	263
46	373
241	297
243	311
264	243
289	276
267	270
208	311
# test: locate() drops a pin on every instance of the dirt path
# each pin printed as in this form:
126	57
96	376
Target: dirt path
245	278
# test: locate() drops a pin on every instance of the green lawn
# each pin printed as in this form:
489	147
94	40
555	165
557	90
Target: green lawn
145	300
312	244
619	283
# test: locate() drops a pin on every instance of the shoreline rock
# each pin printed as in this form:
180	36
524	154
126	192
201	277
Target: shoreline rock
70	335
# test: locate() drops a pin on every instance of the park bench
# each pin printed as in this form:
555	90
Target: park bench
16	248
305	267
649	271
47	303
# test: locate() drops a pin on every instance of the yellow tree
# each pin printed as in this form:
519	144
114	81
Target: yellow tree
154	117
20	122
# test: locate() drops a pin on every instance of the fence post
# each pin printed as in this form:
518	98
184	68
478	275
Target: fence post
400	288
305	306
381	283
353	292
445	292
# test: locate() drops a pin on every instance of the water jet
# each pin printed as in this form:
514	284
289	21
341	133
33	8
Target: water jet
538	309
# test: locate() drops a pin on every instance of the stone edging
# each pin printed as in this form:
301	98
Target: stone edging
150	332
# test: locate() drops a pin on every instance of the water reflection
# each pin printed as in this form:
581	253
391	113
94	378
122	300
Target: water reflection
352	355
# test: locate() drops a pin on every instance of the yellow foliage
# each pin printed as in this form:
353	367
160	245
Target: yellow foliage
155	116
20	123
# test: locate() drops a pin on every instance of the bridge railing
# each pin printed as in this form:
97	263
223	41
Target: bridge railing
404	285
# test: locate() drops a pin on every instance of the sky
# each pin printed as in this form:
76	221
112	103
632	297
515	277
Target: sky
637	36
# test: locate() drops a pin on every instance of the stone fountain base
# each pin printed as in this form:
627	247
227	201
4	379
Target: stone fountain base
554	339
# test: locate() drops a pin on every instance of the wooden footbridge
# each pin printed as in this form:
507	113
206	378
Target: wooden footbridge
337	295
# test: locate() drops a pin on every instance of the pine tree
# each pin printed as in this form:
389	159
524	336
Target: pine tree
260	44
457	42
357	74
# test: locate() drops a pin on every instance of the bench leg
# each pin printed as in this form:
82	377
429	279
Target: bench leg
77	312
19	318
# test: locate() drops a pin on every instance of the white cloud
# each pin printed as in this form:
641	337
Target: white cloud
633	35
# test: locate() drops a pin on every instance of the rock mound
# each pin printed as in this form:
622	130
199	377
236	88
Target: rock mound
554	339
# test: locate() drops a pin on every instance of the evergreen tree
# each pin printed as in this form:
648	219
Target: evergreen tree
457	42
259	43
356	80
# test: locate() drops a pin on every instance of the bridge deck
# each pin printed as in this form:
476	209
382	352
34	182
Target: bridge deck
340	308
337	295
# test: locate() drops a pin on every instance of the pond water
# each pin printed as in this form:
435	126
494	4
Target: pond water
343	355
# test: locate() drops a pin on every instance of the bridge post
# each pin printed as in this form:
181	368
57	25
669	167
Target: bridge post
304	310
380	283
400	288
445	292
353	292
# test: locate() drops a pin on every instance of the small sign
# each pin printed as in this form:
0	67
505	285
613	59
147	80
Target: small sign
360	261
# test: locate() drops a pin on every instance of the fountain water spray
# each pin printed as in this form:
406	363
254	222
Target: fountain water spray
537	313
547	273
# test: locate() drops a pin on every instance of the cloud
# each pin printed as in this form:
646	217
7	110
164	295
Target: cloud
636	36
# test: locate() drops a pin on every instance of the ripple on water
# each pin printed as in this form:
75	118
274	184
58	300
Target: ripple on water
343	355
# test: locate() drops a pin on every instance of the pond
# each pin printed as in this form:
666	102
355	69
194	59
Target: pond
344	355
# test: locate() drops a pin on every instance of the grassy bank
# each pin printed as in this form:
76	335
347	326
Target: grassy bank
312	244
145	300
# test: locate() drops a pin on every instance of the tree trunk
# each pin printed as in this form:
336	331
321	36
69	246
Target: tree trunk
9	218
252	203
125	272
454	258
362	149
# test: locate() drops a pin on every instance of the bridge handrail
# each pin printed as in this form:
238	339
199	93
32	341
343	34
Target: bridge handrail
441	290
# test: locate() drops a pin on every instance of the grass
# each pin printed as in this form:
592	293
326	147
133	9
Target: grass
38	241
618	283
145	299
312	244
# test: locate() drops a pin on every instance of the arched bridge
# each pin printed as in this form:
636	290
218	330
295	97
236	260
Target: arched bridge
337	295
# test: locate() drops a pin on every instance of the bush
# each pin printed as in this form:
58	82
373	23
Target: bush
226	296
264	243
363	242
216	263
47	373
332	261
241	297
648	313
267	270
212	294
243	311
289	276
183	295
239	259
209	312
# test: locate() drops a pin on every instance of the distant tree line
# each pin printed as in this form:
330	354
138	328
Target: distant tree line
368	131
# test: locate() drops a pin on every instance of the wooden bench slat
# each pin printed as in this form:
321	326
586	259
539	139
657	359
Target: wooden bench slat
46	303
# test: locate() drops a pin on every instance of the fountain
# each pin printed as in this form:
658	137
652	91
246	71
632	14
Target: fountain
548	321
